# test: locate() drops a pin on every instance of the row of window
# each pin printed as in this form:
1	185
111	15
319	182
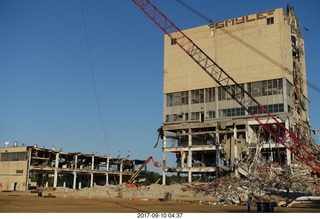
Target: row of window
265	88
273	108
255	89
13	156
232	112
194	116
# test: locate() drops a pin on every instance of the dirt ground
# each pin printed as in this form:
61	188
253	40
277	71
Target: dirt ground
20	202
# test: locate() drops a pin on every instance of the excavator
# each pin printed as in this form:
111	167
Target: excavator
297	146
131	183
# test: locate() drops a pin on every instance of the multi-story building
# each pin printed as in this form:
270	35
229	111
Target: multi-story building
204	130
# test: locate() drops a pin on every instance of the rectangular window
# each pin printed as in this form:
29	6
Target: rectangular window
169	118
256	89
173	41
13	156
270	20
184	98
272	108
231	112
197	96
20	172
230	92
169	98
211	114
197	116
289	88
209	92
265	88
177	99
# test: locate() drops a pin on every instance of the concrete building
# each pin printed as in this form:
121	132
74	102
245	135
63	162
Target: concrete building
24	168
205	132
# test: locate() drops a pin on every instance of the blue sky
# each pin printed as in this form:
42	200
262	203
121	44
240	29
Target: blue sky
47	92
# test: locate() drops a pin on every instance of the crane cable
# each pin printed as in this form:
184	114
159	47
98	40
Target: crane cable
313	86
93	78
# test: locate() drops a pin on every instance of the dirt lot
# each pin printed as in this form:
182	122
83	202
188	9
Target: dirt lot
20	202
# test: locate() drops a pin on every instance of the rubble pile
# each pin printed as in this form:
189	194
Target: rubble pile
261	182
221	191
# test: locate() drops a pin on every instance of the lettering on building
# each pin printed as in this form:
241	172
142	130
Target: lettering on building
243	19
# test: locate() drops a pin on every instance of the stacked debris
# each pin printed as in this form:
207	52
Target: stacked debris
266	182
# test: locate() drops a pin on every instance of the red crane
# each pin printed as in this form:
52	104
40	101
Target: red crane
288	139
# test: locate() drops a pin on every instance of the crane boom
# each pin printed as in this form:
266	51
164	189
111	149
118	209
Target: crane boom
156	164
288	139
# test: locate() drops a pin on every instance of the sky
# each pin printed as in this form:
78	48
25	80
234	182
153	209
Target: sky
60	72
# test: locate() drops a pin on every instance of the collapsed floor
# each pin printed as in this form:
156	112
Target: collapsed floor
225	190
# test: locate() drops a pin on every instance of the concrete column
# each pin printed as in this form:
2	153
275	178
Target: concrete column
74	180
74	172
217	154
120	176
249	132
91	175
190	138
189	165
183	156
189	156
232	152
235	140
55	179
80	184
164	145
288	151
107	173
236	156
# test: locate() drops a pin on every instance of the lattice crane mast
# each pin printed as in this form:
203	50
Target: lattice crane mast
288	139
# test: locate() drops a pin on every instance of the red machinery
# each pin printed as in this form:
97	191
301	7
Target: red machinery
131	180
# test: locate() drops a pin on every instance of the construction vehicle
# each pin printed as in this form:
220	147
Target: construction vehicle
296	145
131	182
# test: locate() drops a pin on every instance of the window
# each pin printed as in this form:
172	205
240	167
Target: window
13	156
197	116
169	99
169	118
197	96
272	108
20	172
270	20
265	88
289	86
255	89
173	41
184	98
209	92
231	112
177	99
211	114
230	92
177	117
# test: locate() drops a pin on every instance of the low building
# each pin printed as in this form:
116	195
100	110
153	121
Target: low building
27	167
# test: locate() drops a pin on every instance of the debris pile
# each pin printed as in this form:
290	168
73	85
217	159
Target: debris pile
221	191
259	181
